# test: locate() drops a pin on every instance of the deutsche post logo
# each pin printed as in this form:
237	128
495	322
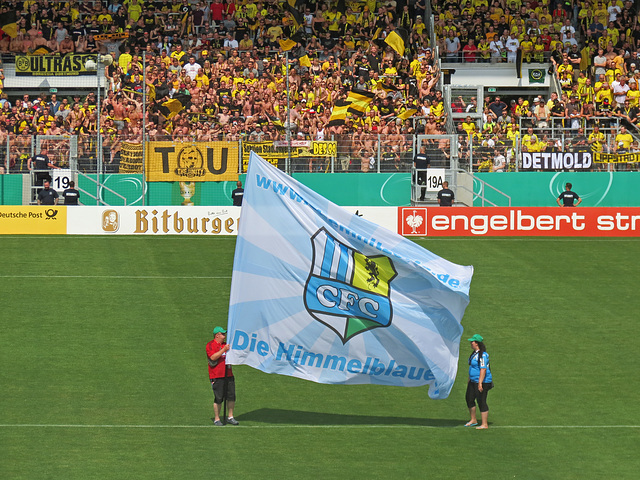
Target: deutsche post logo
346	290
110	221
190	163
51	214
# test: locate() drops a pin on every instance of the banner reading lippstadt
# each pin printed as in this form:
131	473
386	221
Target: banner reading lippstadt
557	160
322	294
520	222
192	161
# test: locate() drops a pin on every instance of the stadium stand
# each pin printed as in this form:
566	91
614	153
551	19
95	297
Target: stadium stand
363	72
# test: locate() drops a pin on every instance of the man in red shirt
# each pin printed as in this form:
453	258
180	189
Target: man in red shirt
221	376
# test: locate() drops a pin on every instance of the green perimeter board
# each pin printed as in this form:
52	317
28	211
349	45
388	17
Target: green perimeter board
103	372
526	189
10	189
540	189
348	189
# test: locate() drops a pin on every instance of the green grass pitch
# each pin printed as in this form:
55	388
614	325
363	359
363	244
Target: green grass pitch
103	371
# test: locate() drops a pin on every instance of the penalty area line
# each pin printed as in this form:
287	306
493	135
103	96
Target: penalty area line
127	277
36	425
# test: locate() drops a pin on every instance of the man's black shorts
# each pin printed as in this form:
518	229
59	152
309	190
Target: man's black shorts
218	386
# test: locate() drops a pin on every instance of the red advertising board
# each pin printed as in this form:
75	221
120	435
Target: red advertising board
518	221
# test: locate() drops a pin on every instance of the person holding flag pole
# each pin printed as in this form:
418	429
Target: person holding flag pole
221	377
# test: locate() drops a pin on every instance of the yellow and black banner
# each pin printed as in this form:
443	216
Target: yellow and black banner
192	162
50	65
131	157
41	219
616	157
273	151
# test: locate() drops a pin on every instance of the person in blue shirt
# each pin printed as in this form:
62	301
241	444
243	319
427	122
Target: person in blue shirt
480	382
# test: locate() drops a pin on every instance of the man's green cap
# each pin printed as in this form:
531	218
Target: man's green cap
218	330
476	338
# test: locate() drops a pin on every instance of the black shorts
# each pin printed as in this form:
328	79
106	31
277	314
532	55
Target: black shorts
474	395
223	388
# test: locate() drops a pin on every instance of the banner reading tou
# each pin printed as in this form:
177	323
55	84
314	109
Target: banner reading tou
192	162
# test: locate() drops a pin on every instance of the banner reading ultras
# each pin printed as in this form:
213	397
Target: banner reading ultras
522	222
49	65
33	220
192	162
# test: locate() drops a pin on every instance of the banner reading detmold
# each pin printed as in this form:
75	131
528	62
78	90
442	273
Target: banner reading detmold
192	162
557	160
49	65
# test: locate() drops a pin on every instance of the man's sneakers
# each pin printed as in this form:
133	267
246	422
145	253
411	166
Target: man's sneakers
232	421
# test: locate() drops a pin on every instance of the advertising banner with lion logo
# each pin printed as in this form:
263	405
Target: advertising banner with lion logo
323	294
192	161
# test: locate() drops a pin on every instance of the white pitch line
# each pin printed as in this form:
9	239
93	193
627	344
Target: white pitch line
132	277
317	426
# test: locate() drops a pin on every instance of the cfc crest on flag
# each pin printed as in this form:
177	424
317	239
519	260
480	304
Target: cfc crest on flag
346	290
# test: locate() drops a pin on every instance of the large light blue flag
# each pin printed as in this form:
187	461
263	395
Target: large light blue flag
321	294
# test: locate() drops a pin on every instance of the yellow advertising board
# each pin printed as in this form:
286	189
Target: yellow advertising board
192	161
616	157
40	219
50	65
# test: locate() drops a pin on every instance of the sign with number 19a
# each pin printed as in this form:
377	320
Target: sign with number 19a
435	177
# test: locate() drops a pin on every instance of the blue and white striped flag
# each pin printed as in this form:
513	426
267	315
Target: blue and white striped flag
321	294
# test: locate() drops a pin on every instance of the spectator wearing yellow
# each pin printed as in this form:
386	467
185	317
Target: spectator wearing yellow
566	81
484	50
600	13
586	92
543	15
633	95
538	50
419	25
134	8
596	139
469	126
527	48
530	141
124	59
623	141
179	54
522	108
513	134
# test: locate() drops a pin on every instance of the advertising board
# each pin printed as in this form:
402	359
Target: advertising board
514	221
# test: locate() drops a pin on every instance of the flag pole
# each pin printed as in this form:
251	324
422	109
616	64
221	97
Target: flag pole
288	167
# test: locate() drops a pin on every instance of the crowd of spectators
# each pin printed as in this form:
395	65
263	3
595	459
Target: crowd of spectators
225	64
594	51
